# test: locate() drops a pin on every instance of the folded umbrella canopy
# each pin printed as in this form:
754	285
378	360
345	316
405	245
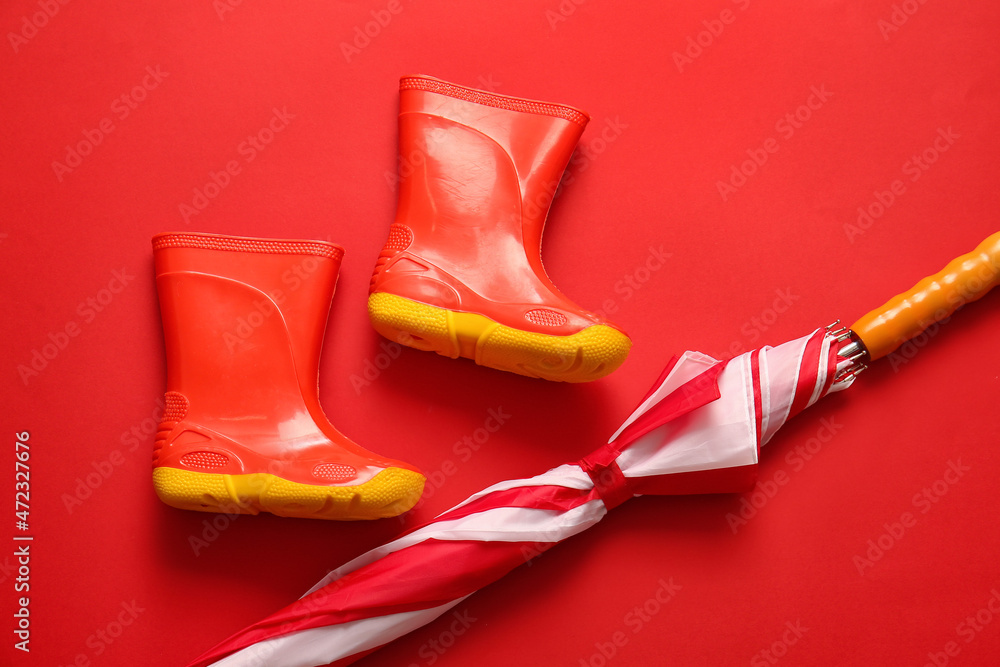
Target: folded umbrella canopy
698	430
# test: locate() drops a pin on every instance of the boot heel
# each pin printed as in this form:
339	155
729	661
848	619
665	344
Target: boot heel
580	357
413	324
199	491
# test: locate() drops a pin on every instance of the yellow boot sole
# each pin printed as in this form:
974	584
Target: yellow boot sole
581	357
389	493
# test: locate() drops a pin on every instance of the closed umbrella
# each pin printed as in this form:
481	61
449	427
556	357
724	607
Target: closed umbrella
698	430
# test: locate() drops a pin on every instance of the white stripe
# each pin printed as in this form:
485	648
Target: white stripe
568	475
319	646
784	363
824	355
722	433
719	434
751	407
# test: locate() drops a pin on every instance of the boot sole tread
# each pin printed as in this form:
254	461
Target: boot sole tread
580	357
389	493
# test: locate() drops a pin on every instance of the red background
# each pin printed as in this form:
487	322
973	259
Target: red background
651	183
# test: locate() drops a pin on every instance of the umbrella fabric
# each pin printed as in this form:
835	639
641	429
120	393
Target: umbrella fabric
698	430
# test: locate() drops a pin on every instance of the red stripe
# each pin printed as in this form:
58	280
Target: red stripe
656	385
609	480
808	373
696	392
418	577
758	403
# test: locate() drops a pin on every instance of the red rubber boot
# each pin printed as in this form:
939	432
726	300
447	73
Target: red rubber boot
243	430
461	273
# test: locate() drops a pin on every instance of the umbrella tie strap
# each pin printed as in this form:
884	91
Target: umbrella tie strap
609	481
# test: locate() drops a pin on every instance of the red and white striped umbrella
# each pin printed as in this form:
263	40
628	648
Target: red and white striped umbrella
698	430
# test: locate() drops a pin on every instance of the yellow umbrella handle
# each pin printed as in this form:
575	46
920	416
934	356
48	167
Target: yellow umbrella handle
933	299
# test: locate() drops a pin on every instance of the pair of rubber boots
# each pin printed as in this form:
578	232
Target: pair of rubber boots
461	274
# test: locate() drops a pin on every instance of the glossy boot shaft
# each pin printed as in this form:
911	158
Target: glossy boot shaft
461	273
243	430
